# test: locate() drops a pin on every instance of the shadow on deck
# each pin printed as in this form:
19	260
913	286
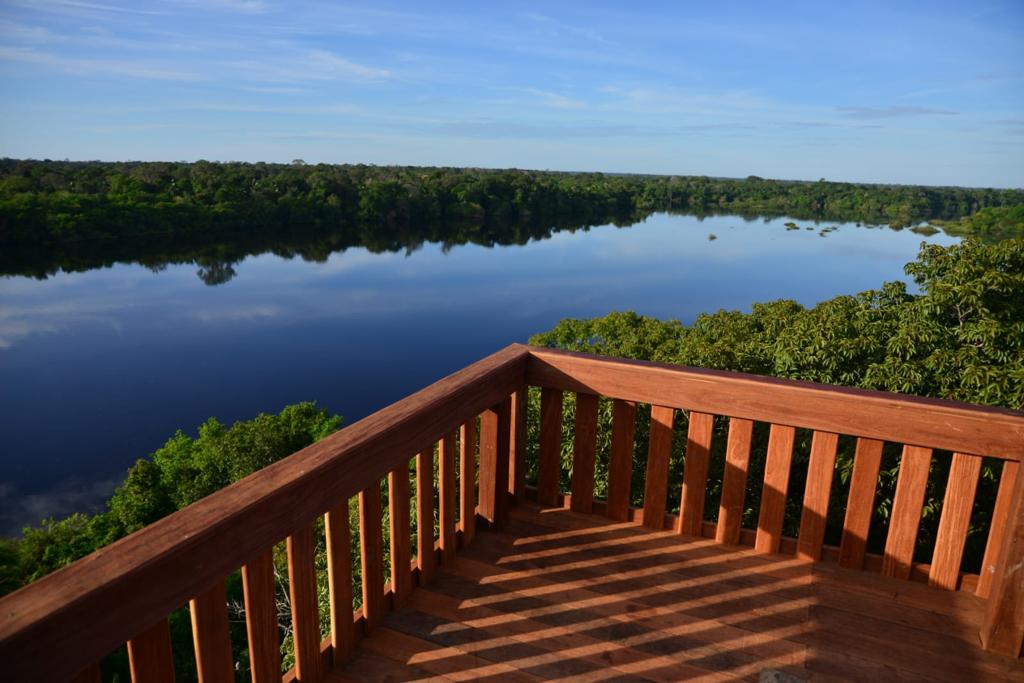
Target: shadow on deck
561	595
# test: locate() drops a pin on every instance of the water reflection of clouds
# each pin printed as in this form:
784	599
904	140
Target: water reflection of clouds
66	497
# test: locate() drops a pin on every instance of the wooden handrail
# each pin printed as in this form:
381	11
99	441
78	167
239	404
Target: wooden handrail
125	591
912	420
87	609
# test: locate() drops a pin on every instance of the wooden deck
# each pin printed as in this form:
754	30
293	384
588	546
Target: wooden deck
561	595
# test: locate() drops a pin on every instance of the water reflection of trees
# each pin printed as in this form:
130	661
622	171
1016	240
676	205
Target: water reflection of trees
217	254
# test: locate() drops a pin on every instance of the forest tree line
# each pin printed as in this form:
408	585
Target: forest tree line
60	201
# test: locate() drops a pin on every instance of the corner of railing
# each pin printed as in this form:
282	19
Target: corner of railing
1002	630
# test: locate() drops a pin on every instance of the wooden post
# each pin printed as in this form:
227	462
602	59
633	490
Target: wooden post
495	433
1002	631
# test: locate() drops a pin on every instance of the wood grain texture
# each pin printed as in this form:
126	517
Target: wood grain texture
997	527
860	503
446	500
211	637
400	534
550	466
620	463
814	515
371	549
695	473
259	594
301	547
517	446
906	511
935	423
426	559
495	433
584	453
734	481
1002	630
955	521
776	486
149	655
656	475
173	559
339	582
467	477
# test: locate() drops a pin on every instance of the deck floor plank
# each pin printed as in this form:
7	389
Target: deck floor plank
563	595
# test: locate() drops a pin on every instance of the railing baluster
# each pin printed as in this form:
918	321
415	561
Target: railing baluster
620	465
860	503
446	484
339	583
955	521
695	473
372	555
426	560
997	527
1002	629
734	481
584	453
814	516
517	454
776	484
550	467
467	477
211	637
149	655
301	547
258	589
495	428
656	477
906	512
400	533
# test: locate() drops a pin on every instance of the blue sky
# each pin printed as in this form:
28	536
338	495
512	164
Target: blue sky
929	92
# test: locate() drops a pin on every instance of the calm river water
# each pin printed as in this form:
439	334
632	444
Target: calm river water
99	368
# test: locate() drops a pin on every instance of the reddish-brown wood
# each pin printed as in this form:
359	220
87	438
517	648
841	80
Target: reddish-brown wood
997	527
955	521
584	452
734	481
339	582
814	516
942	424
860	503
1002	630
620	463
400	535
259	592
211	637
517	446
446	499
906	511
371	543
467	477
495	428
426	559
550	466
695	473
656	476
776	484
149	655
305	608
182	554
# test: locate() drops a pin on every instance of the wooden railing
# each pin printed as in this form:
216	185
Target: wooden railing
61	626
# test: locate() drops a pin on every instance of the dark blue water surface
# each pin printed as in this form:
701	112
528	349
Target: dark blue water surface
99	368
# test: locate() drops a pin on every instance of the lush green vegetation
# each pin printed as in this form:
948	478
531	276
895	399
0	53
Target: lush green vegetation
184	470
961	338
54	201
991	223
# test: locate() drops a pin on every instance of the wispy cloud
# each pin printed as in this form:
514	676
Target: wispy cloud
94	67
556	100
892	112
